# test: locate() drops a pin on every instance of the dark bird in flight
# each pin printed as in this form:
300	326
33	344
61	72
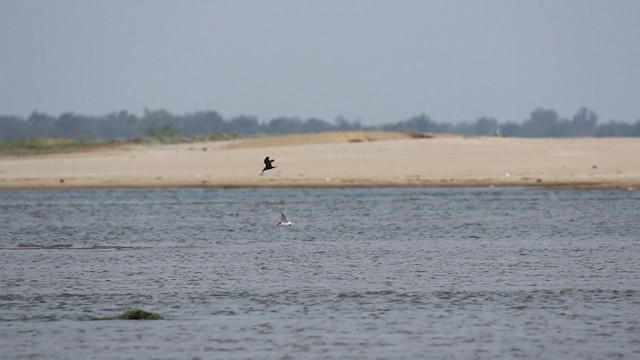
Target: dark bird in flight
267	164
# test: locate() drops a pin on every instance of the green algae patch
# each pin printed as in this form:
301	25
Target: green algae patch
135	314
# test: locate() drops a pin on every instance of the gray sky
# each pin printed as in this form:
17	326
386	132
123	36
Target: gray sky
377	61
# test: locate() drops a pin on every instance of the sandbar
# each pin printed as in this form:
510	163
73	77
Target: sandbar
340	159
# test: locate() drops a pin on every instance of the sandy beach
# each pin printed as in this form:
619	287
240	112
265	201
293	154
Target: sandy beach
340	159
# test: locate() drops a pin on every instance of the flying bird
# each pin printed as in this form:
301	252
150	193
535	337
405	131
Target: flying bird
284	221
267	165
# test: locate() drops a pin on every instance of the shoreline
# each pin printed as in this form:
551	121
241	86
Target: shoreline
556	185
340	160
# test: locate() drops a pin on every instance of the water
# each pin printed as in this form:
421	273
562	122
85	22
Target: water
363	273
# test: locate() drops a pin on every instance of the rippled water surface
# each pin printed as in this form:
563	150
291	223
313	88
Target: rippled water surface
363	273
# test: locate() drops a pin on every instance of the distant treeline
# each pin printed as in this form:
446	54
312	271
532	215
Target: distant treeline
163	124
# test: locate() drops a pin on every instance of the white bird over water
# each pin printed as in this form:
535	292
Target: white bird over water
284	221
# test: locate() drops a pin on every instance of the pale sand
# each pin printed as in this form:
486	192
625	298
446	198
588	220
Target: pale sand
340	159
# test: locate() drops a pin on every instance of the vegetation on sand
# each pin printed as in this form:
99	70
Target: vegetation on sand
58	145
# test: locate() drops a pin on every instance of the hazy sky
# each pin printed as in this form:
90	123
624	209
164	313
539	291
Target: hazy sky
377	61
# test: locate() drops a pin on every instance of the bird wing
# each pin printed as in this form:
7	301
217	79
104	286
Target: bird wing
266	161
283	218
